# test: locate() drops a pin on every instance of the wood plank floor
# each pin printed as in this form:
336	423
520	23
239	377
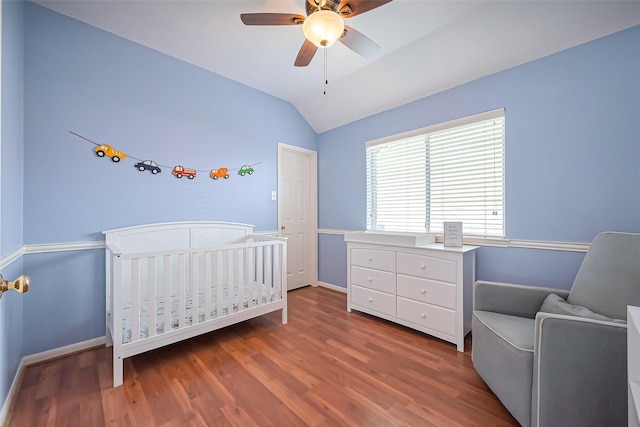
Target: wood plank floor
326	367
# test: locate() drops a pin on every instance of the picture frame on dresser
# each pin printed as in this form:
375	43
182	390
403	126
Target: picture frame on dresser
452	235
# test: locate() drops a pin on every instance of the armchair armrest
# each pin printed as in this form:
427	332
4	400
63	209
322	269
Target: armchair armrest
515	300
579	372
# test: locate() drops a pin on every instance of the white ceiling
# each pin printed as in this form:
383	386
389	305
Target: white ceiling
426	46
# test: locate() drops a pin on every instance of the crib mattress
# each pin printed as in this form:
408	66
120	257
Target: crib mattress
175	317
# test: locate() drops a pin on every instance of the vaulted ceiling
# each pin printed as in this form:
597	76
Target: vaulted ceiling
426	46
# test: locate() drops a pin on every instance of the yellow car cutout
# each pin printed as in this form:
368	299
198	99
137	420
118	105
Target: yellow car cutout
107	150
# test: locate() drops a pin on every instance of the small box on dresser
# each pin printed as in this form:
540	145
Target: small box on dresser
411	280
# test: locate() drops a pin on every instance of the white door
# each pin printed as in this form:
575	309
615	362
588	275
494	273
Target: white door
297	213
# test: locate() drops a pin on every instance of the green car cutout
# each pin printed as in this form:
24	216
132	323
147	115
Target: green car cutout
245	170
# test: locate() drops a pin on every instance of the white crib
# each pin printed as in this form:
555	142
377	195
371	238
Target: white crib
168	282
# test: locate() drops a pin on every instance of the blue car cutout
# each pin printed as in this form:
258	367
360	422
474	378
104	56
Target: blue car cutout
148	165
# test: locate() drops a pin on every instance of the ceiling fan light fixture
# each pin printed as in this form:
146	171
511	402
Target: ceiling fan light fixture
323	28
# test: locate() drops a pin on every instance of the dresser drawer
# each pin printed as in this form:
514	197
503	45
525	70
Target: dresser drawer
373	279
426	290
428	316
374	300
374	258
427	267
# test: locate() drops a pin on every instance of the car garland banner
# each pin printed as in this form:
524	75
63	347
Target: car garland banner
179	171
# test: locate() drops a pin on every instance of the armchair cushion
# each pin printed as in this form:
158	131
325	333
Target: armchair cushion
558	305
509	340
507	298
516	331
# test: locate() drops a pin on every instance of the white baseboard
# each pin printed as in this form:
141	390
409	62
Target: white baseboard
63	351
332	287
42	357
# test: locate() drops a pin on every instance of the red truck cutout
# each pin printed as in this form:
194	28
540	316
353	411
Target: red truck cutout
181	171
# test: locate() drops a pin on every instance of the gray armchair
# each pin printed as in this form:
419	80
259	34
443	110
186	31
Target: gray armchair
557	362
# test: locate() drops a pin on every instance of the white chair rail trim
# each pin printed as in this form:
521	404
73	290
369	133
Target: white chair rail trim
503	243
475	241
72	246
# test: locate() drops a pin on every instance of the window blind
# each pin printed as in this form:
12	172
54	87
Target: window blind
449	172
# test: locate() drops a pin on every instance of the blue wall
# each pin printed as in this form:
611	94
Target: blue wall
66	302
151	106
11	304
572	152
11	169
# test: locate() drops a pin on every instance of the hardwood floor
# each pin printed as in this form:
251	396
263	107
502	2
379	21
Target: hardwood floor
325	367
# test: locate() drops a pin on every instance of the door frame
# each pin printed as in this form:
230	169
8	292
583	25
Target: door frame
313	192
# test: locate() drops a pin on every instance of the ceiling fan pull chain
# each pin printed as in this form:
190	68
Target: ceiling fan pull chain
326	80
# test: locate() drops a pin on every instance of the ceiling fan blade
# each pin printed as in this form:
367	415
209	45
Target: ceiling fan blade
359	43
271	19
306	53
351	8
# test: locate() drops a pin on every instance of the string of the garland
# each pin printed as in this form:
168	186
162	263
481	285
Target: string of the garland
97	144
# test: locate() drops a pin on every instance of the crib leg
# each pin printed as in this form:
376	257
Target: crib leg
117	370
108	337
284	314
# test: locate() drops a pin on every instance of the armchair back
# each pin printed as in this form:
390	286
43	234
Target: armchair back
609	278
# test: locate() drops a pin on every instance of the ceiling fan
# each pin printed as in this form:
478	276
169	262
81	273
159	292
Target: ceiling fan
323	26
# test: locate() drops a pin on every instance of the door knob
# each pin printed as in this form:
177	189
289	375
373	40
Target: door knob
21	284
282	227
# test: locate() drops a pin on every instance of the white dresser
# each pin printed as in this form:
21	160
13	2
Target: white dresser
407	280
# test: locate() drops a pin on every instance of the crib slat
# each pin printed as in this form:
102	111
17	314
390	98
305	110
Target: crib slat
260	272
230	281
276	271
181	290
248	283
252	276
195	289
166	296
242	289
219	284
268	273
207	285
135	299
151	285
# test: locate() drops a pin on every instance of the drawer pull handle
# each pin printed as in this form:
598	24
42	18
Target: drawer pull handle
370	299
370	259
423	291
369	279
422	266
423	315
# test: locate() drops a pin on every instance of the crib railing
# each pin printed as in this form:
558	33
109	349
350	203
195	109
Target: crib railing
156	292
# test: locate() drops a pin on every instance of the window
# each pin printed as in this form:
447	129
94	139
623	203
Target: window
453	171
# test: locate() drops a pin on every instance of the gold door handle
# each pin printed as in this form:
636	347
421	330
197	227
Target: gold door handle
282	227
21	284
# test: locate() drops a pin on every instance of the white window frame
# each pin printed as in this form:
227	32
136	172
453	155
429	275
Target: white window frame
397	206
